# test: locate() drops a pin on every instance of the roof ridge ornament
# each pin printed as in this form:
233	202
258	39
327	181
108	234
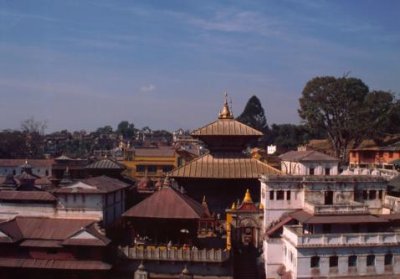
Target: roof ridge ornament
247	197
225	112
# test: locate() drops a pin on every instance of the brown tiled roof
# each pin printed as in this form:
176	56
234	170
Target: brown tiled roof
305	217
51	232
33	196
310	155
105	164
226	127
226	166
43	181
41	243
19	162
167	203
95	185
162	151
26	176
54	264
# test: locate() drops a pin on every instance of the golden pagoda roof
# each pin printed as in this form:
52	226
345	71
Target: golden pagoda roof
226	125
224	166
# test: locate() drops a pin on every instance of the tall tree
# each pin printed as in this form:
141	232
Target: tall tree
345	109
126	129
254	115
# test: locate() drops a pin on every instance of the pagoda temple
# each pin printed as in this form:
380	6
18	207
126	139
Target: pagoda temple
225	172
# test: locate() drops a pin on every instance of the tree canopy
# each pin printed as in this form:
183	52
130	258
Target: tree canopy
254	115
346	110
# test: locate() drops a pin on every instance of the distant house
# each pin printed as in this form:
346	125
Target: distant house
106	167
308	162
37	247
76	167
39	167
27	203
380	157
101	196
152	162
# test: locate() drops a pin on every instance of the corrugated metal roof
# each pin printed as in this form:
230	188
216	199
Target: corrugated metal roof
34	196
225	166
54	264
161	151
50	232
308	218
99	185
105	164
226	127
310	155
41	243
167	203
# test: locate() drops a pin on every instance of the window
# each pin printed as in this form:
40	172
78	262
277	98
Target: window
380	192
271	195
288	195
370	260
167	168
365	195
372	194
326	228
140	168
311	171
352	261
314	262
333	261
279	195
327	171
389	259
152	168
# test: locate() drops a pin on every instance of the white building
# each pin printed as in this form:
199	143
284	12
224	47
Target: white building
308	162
102	196
99	198
328	226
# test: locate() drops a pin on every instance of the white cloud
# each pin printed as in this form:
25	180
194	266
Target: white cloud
147	88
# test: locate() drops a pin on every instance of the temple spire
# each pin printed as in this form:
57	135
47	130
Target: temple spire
247	197
225	112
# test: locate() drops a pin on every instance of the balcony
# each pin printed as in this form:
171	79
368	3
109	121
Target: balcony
294	235
176	254
333	209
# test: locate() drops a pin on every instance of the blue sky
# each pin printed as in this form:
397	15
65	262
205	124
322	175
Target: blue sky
165	64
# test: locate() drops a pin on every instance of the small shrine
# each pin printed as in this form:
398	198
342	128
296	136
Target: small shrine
244	223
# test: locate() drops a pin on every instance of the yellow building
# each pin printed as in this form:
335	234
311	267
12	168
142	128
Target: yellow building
153	162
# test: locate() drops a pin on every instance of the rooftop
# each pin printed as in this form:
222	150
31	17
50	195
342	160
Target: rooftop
224	166
32	196
167	203
96	185
304	156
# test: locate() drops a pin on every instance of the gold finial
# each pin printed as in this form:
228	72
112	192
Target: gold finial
260	206
247	197
233	207
225	112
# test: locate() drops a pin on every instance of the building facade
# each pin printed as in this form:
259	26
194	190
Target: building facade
328	226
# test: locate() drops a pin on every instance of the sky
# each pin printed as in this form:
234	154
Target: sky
83	64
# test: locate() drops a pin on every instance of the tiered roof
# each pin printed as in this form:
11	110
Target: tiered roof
224	166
